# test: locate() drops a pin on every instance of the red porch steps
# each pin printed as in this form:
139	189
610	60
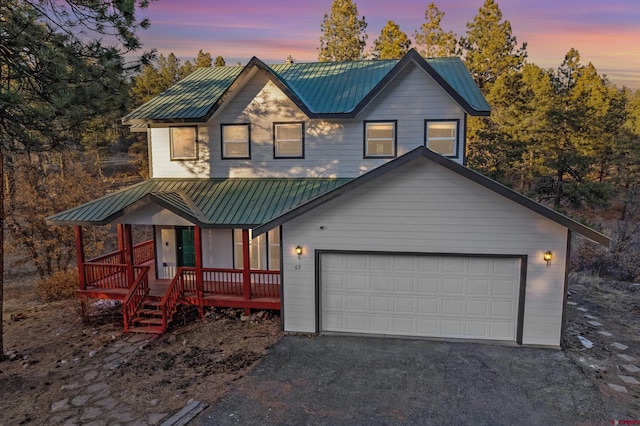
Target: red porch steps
149	318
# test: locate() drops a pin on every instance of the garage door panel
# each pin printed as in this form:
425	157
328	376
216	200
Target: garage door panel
453	286
429	264
451	328
431	296
404	305
379	324
503	287
481	265
404	284
428	306
477	308
451	307
380	304
478	287
476	329
381	283
403	325
357	323
428	285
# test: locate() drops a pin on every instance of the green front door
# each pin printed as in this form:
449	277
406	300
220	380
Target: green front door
186	246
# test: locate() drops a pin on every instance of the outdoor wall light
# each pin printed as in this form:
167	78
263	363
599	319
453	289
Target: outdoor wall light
298	250
547	257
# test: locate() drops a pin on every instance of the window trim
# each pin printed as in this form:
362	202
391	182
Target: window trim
222	155
395	138
195	143
456	144
302	137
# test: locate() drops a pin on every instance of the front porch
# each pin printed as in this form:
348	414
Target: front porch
149	303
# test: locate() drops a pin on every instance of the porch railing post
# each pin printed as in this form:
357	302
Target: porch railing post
197	237
121	242
80	254
128	254
246	273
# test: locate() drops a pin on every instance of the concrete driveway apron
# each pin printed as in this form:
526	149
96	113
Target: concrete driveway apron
337	380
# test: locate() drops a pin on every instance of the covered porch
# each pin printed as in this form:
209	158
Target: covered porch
148	302
216	216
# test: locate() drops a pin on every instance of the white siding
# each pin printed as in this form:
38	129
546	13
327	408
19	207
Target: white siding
333	148
425	208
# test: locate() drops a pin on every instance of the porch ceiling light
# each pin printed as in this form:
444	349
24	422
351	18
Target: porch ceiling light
547	257
298	250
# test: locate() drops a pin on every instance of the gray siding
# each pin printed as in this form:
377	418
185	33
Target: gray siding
333	148
425	208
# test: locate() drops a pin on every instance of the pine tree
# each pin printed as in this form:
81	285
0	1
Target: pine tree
56	76
489	48
431	40
392	43
343	33
219	61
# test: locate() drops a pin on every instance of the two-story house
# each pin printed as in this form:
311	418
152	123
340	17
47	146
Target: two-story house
336	193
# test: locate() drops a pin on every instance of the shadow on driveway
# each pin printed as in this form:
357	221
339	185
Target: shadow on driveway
338	380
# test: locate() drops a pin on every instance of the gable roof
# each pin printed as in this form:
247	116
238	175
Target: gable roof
476	177
209	203
320	89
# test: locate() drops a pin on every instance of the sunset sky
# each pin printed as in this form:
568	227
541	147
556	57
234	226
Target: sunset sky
605	32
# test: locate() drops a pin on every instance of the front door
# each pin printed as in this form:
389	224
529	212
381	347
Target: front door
185	245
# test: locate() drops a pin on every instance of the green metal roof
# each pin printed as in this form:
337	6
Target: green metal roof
333	87
205	202
191	97
320	89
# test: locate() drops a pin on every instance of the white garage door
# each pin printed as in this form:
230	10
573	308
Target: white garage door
430	296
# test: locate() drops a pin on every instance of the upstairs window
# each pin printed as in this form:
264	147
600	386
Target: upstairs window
183	142
288	140
235	141
380	139
442	137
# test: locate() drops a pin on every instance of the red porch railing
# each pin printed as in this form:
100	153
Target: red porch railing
136	295
110	270
169	303
143	252
229	282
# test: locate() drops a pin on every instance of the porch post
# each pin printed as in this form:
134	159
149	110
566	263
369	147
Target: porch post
246	275
121	245
128	254
197	239
80	255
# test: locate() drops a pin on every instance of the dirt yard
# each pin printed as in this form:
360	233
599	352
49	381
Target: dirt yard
53	352
616	306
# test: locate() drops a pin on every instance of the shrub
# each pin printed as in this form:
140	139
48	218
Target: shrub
59	285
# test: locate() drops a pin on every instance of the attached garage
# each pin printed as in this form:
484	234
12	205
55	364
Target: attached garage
425	247
441	296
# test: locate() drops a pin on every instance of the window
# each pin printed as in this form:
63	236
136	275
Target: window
235	141
442	137
288	140
380	139
264	250
183	143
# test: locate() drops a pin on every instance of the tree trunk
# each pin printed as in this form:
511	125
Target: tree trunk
559	190
1	254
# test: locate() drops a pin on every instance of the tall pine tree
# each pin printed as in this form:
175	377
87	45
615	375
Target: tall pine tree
344	34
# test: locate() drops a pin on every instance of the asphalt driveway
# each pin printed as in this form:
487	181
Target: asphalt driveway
336	380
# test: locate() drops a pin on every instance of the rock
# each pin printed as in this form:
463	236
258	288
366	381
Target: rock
245	317
18	316
585	342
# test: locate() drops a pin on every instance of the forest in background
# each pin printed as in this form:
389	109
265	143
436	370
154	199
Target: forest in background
567	136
